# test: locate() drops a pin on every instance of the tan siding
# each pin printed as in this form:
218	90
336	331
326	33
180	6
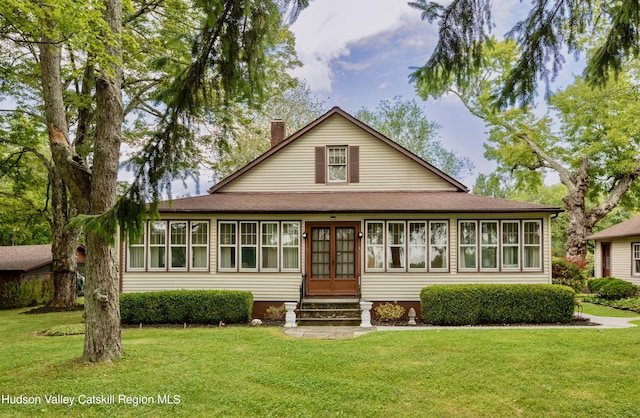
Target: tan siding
381	167
597	260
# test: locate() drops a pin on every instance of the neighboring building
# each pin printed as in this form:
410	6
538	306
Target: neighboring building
338	210
29	262
617	251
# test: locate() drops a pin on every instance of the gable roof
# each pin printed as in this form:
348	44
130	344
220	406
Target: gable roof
628	228
25	257
363	202
337	111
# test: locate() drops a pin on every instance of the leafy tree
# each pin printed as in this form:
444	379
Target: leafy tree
405	122
87	54
594	152
549	28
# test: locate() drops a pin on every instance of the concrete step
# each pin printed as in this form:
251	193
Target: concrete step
329	312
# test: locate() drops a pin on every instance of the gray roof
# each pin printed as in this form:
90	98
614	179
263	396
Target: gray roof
25	257
628	228
365	202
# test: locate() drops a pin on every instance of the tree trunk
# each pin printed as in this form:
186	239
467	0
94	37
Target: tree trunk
64	245
103	339
579	226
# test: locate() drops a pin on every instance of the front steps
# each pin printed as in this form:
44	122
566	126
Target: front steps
329	312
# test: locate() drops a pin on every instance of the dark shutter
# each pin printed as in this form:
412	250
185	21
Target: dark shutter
354	164
320	165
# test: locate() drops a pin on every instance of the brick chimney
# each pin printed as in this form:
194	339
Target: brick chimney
278	132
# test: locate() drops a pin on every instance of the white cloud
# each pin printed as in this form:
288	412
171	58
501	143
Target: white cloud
326	28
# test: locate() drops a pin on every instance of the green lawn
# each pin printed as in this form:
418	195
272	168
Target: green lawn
243	371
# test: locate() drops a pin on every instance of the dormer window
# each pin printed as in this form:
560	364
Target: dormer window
337	164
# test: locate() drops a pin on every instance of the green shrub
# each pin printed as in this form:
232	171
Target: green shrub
389	311
29	292
566	273
186	306
613	288
496	304
628	304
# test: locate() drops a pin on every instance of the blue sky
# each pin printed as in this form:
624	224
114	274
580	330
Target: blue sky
359	52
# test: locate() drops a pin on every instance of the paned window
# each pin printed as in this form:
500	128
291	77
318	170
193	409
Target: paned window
227	245
199	245
178	245
636	259
489	245
396	245
532	245
438	244
468	243
375	246
417	245
269	245
510	245
136	256
337	164
248	246
262	246
290	246
157	245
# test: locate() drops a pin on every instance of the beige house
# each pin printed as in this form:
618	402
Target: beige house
337	210
617	251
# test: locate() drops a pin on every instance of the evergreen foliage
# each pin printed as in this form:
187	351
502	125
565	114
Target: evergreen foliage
549	28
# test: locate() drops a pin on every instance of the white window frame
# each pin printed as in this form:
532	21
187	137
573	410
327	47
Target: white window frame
248	245
287	245
194	245
462	246
225	243
174	246
155	245
506	244
495	246
378	248
525	245
402	246
420	248
333	162
142	245
635	258
433	245
265	246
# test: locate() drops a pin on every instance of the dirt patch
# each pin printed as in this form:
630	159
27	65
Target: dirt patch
49	309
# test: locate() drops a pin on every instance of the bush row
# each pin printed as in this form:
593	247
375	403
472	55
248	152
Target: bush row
496	304
612	288
29	292
186	306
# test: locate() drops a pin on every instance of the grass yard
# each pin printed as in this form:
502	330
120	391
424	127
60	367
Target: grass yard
246	372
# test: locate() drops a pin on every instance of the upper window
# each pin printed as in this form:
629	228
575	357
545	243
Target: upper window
467	243
532	240
337	164
510	245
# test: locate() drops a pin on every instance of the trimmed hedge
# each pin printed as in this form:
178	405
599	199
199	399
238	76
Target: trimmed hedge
612	288
29	292
475	304
186	306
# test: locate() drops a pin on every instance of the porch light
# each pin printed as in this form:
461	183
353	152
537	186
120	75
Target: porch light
304	235
360	235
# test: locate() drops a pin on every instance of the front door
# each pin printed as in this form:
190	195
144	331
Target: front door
606	259
332	259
